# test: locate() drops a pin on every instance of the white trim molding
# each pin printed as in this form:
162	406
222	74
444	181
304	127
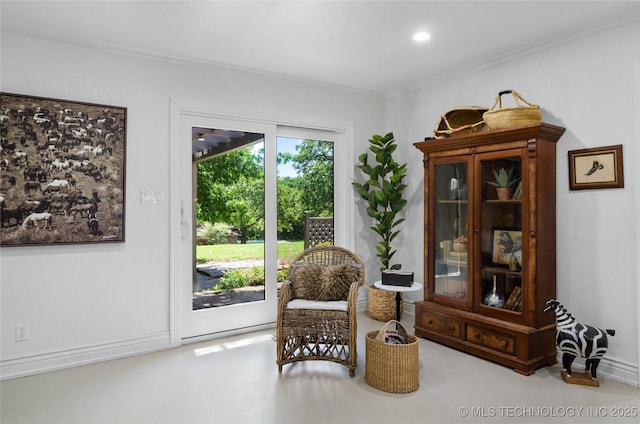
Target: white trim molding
77	356
636	196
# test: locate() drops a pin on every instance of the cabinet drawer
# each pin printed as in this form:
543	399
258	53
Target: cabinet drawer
491	339
441	325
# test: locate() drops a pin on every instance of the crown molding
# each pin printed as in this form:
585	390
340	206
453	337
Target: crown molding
527	50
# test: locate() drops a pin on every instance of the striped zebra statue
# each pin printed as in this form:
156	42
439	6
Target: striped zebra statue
575	339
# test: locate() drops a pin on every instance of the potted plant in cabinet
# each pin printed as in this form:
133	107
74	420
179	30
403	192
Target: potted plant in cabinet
504	182
383	191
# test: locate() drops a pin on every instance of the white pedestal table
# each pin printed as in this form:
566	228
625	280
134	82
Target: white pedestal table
398	289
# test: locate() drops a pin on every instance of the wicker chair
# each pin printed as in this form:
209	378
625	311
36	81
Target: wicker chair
311	329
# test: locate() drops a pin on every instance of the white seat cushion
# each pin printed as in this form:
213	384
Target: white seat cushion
331	305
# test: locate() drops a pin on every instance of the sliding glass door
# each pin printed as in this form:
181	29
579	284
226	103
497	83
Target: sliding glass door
229	264
247	193
305	190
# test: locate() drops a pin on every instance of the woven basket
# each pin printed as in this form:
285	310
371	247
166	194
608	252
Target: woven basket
525	114
460	121
392	368
382	304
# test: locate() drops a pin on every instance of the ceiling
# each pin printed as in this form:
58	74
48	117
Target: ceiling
361	45
212	142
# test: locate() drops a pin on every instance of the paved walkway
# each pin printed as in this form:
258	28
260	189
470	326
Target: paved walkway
208	275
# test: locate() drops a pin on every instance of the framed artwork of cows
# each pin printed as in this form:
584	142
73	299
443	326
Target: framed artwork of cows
62	171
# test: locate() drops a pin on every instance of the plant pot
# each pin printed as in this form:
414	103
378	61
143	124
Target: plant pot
504	193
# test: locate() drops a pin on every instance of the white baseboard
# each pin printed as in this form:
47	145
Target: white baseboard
68	358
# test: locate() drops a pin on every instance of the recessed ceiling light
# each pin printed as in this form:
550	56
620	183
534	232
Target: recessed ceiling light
421	36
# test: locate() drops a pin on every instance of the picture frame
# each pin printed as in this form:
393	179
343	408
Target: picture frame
505	244
599	167
62	171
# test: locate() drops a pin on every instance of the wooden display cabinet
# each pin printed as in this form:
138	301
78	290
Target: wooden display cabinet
474	241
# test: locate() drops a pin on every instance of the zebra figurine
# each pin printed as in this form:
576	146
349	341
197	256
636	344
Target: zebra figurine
575	339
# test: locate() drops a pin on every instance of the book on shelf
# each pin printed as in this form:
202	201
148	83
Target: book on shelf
517	193
514	302
517	307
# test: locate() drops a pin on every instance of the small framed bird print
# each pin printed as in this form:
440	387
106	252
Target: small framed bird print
507	247
599	167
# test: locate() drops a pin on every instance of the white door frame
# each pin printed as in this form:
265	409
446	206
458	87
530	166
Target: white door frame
238	317
182	113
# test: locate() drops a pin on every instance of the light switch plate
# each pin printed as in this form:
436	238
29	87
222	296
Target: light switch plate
150	196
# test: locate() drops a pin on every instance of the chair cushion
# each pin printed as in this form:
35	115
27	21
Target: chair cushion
335	305
322	282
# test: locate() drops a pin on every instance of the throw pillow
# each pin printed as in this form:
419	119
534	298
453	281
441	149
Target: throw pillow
322	282
305	281
336	281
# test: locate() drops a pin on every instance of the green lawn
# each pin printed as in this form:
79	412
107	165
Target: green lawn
228	252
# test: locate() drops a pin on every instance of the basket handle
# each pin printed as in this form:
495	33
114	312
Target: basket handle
383	330
516	96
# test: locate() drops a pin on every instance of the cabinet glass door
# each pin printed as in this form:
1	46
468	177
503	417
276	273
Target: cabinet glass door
502	247
451	221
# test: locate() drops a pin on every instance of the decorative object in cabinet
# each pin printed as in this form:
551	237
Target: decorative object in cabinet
494	298
489	262
504	182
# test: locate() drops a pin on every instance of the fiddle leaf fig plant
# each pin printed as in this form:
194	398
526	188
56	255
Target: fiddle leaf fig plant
383	191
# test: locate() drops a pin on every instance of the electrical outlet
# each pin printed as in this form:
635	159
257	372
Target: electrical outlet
22	332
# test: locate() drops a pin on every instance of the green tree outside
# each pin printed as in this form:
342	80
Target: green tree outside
231	189
314	163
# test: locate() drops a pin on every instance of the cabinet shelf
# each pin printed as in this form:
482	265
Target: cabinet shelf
458	202
504	202
452	202
500	270
452	262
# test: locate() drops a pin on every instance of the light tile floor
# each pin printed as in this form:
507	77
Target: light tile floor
235	380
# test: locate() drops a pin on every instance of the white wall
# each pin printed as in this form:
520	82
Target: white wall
90	302
588	87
